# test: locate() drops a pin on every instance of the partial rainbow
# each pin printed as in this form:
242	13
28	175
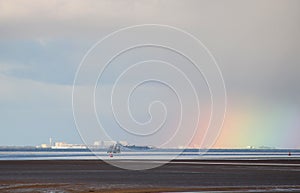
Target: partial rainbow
257	125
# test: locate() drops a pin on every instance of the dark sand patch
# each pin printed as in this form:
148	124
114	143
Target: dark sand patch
178	176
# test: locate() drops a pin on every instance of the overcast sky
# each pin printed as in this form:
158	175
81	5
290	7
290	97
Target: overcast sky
256	44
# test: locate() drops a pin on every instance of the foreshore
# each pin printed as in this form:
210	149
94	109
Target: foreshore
176	176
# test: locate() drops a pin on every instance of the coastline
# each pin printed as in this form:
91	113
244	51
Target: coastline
178	175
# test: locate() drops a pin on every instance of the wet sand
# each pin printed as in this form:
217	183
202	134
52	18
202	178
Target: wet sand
183	175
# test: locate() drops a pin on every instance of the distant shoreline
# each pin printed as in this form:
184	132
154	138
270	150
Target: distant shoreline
151	149
148	154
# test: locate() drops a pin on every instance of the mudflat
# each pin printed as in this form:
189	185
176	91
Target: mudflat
180	175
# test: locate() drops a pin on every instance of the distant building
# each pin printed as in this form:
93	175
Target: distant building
64	145
107	144
44	146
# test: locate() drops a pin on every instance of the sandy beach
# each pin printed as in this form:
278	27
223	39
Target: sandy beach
181	175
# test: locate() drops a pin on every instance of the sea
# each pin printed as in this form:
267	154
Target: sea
155	154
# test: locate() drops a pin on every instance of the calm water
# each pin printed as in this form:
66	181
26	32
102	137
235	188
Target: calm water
52	154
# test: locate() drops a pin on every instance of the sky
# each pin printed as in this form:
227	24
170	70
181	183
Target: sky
256	45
